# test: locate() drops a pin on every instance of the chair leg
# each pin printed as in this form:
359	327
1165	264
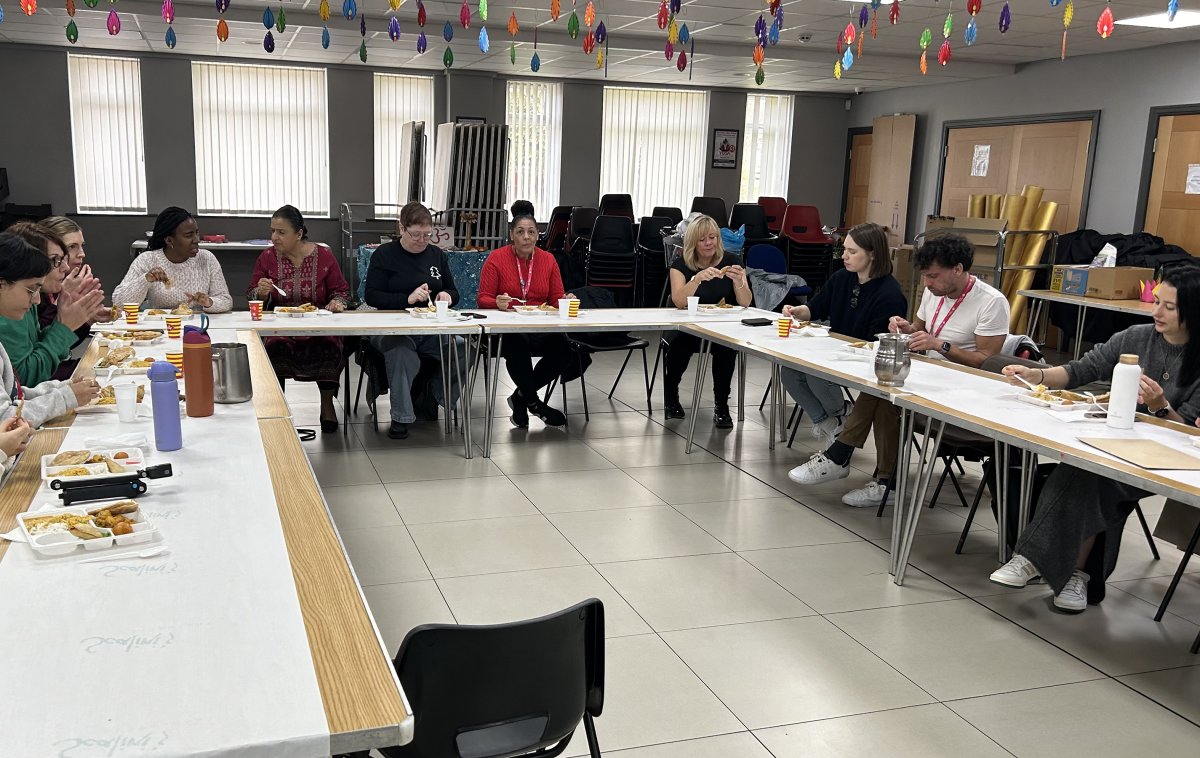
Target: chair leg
962	498
587	416
959	466
550	393
358	392
620	373
1183	562
589	729
1146	530
946	471
654	374
794	423
763	402
649	384
887	490
985	484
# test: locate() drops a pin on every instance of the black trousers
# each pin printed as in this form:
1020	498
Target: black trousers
679	354
518	352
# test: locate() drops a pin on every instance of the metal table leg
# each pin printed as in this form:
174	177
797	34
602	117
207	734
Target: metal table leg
701	367
1000	468
490	388
928	462
446	371
903	489
741	359
1079	331
774	413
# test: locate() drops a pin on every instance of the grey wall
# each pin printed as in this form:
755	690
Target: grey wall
819	155
1124	86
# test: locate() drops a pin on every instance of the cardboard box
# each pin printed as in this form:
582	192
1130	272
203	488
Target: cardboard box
983	233
1118	282
1070	280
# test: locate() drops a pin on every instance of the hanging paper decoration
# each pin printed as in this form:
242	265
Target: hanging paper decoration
874	24
362	25
862	17
485	44
861	37
589	43
970	32
676	5
1054	3
421	16
350	10
669	50
1005	18
513	26
448	58
926	38
774	6
839	44
779	17
894	12
483	9
114	22
268	18
948	26
512	53
924	65
847	59
973	6
772	34
170	39
29	7
281	20
600	58
72	30
1068	17
70	9
325	37
589	14
269	43
673	32
535	63
222	31
394	29
92	4
944	52
760	27
2	21
663	15
837	69
849	34
447	32
1104	25
573	26
362	51
759	76
601	33
394	4
422	44
682	61
323	11
464	15
1172	9
758	55
168	11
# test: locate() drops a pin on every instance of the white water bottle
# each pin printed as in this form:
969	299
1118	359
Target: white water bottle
1122	398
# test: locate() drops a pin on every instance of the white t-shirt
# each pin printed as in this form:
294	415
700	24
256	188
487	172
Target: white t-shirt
983	313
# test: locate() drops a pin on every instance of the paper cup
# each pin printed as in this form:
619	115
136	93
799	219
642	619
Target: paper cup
131	312
564	307
126	395
256	310
693	305
574	308
174	326
785	327
176	360
443	309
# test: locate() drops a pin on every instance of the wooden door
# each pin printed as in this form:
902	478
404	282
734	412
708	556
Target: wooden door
1001	160
1173	204
859	177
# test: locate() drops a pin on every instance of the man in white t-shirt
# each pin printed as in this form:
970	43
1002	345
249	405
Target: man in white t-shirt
961	318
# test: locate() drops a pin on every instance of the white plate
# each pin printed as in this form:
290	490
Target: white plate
302	314
163	316
65	543
1060	405
135	461
709	309
92	407
533	310
454	316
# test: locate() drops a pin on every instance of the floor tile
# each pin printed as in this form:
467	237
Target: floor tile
1177	689
782	672
343	469
628	534
488	546
958	649
701	590
429	463
384	555
564	491
967	572
1105	718
532	459
602	425
1136	560
360	506
479	497
397	608
1185	603
918	732
373	436
739	745
845	577
650	450
763	523
500	598
698	484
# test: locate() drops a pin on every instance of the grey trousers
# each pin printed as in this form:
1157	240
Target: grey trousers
402	356
819	399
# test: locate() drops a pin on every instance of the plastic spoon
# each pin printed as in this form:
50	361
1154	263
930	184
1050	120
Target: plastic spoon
147	553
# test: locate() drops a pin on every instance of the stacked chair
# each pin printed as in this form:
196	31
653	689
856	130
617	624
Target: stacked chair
652	257
665	211
713	207
754	218
809	249
617	205
774	208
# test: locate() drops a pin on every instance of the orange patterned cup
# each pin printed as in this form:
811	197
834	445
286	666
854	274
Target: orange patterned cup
131	312
785	327
176	360
573	308
174	326
256	310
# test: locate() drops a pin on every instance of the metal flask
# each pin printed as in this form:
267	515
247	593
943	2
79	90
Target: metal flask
892	361
231	373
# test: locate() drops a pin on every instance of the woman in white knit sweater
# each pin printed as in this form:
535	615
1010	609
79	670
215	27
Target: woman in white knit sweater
174	270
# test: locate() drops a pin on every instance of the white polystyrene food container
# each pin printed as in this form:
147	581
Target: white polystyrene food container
136	459
65	543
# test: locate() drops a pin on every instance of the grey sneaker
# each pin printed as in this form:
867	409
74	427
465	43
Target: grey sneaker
1018	572
1073	598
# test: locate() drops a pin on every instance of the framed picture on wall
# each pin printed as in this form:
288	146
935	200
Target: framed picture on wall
725	148
470	120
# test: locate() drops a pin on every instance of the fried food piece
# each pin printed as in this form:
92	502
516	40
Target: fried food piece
108	396
116	357
156	312
121	455
547	307
87	531
116	509
75	471
71	458
858	345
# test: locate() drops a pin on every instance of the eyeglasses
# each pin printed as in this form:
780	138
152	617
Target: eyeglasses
419	235
56	260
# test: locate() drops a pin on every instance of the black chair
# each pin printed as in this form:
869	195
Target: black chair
555	238
617	205
754	218
652	262
579	228
714	207
603	342
666	211
518	689
612	261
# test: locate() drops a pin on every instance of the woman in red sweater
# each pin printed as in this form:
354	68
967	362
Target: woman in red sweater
521	272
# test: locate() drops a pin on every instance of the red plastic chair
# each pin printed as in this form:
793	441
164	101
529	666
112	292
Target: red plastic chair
802	225
808	248
774	207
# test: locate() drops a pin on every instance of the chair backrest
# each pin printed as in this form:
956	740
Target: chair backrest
713	207
505	689
802	223
766	257
556	228
617	205
774	207
754	218
650	233
995	363
667	211
364	263
612	234
582	221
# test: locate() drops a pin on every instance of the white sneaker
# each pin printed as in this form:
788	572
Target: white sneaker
827	430
1073	598
869	496
1018	572
818	469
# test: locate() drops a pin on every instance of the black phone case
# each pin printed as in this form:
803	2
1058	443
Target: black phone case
756	321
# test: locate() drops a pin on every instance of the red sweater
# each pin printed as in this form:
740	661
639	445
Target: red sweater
500	277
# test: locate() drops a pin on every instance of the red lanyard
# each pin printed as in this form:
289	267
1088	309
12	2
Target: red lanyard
526	281
18	392
937	330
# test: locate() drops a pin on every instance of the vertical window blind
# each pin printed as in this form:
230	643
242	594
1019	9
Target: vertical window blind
654	146
767	151
106	134
398	100
262	139
534	117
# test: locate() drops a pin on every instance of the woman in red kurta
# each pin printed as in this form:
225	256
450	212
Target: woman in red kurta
308	273
522	272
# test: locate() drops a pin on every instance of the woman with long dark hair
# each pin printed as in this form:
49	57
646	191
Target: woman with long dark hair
1073	539
307	272
174	270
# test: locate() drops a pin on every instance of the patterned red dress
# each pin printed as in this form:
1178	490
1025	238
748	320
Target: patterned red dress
317	280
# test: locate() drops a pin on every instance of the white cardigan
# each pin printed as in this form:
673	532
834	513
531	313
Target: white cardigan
43	402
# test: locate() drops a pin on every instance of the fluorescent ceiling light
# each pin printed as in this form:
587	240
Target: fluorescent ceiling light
1183	19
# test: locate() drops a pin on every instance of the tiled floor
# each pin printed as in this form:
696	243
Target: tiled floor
747	616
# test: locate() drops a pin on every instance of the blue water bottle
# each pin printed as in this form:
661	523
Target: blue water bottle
164	396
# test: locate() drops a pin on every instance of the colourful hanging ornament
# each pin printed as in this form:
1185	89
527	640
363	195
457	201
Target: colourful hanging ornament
669	50
779	17
926	38
861	37
759	76
2	19
600	57
1054	3
362	51
555	10
535	63
29	7
362	25
1172	9
970	32
589	43
682	61
924	64
448	58
447	32
760	26
839	44
394	4
774	6
894	12
92	4
847	59
222	31
281	20
758	55
483	9
944	52
837	69
394	29
72	31
848	34
573	26
512	53
673	32
350	10
168	11
948	26
269	43
1104	25
601	33
325	37
1005	18
268	18
973	6
663	15
114	22
170	38
772	34
422	44
421	15
485	44
589	14
513	25
323	11
863	17
464	15
676	6
1068	17
71	8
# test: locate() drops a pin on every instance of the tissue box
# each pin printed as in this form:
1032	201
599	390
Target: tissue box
1117	283
1070	280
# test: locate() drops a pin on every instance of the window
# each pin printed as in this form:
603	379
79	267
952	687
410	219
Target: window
399	100
534	115
767	155
654	146
262	139
106	134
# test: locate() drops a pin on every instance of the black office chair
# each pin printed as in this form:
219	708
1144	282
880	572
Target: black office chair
612	261
617	205
518	689
667	211
754	218
713	207
652	262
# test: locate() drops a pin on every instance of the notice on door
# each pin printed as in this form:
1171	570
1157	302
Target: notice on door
1193	180
983	153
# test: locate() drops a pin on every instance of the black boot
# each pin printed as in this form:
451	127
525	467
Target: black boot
671	405
721	417
520	416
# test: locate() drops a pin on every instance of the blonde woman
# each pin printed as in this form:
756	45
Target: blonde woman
706	271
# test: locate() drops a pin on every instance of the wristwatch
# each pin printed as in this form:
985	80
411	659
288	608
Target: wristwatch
945	348
1163	412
